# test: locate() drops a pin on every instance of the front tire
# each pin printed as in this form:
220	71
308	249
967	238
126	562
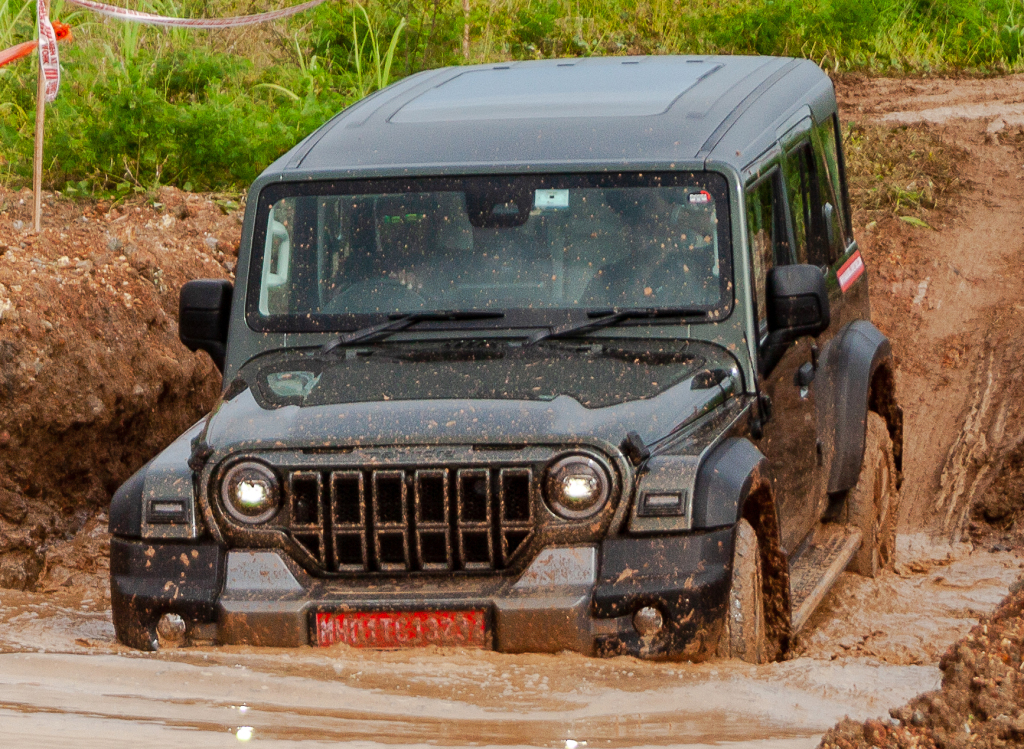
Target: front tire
132	627
873	504
745	635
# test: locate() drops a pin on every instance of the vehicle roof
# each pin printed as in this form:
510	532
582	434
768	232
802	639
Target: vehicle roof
560	115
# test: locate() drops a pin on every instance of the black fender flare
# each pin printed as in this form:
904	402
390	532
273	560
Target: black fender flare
733	482
851	360
125	516
723	482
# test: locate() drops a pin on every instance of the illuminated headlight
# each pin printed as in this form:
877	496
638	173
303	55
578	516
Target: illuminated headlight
577	487
251	492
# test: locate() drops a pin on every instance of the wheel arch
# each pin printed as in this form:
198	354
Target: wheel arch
724	481
732	484
861	379
125	513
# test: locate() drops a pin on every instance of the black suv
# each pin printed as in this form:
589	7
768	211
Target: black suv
567	354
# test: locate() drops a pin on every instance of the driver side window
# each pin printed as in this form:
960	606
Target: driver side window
764	234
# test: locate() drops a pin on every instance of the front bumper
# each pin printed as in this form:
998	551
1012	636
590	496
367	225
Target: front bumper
578	598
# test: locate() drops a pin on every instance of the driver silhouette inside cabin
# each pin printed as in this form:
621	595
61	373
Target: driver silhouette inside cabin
670	255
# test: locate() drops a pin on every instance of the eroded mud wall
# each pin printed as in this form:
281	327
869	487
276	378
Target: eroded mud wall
93	380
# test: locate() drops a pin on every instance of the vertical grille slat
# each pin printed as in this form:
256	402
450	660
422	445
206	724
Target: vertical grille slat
306	508
404	520
473	517
390	521
348	513
431	517
515	487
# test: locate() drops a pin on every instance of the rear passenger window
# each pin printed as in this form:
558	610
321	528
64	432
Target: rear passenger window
828	132
763	227
817	222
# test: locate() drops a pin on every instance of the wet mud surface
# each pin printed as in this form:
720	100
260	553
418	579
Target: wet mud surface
946	294
874	644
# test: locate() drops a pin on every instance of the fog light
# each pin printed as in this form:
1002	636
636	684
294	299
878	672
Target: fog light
577	487
171	629
648	621
251	492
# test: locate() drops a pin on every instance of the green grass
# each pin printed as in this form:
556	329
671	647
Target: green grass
140	107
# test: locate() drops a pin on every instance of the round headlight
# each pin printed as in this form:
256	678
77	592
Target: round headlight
577	487
251	492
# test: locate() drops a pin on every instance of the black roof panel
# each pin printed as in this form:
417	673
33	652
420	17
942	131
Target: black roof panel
603	87
559	115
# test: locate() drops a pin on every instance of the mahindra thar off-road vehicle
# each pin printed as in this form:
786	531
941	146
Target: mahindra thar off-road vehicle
539	356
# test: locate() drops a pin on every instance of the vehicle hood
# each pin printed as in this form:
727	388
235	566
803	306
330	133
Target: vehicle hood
466	392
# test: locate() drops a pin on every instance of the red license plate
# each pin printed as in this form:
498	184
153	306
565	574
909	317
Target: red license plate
402	629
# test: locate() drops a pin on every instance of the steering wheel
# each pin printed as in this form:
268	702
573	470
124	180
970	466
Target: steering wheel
377	294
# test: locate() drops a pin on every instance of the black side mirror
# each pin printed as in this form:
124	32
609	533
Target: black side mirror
203	312
797	303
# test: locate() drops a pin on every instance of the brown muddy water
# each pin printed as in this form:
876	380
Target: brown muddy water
874	644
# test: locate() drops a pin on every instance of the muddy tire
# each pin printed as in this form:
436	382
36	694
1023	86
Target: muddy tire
130	628
744	635
873	504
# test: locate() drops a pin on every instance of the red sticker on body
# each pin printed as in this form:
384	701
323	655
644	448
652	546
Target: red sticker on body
402	629
850	271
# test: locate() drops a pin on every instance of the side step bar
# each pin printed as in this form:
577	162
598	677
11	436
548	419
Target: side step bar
813	572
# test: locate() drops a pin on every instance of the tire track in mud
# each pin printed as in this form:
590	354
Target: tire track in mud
957	341
992	434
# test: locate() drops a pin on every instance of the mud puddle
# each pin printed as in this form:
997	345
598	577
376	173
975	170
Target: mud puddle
446	699
874	644
912	615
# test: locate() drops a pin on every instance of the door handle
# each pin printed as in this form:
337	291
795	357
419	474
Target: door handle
805	375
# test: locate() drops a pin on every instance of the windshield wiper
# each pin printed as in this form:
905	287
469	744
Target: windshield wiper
606	318
401	322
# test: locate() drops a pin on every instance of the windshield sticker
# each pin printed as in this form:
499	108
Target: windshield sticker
551	199
700	198
850	271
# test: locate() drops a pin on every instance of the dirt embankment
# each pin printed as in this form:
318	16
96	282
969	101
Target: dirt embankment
93	380
947	293
954	315
980	704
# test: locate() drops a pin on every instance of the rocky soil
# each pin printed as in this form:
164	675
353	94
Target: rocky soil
980	703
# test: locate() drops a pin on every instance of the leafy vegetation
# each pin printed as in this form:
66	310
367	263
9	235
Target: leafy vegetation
900	170
140	107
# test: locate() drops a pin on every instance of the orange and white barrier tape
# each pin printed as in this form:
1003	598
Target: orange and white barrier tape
61	30
16	52
50	33
49	61
198	23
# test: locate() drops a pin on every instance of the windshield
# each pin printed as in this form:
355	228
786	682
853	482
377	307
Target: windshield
335	255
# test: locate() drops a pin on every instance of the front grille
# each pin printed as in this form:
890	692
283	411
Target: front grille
410	520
